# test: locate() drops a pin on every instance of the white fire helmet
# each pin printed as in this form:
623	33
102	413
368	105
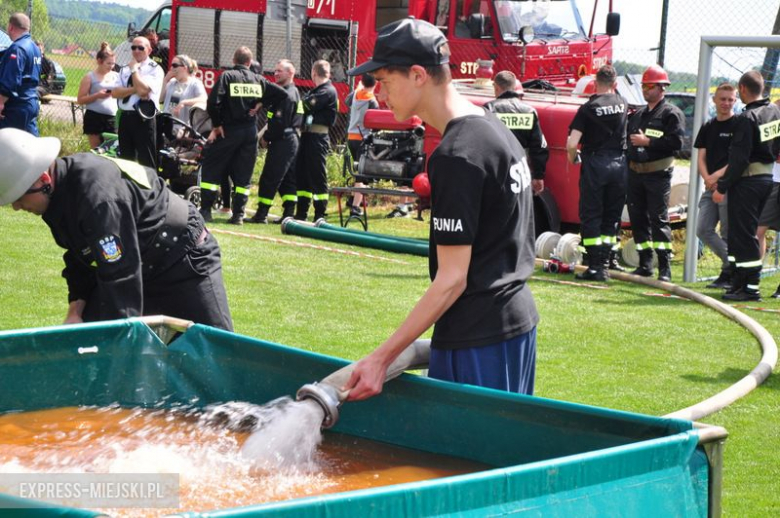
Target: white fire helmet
25	158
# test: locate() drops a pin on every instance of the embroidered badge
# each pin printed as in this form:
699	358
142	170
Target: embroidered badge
110	249
11	56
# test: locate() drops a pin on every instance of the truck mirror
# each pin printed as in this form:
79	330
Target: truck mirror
613	24
130	29
526	34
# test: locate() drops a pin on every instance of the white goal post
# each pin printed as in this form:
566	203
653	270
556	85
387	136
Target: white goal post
701	113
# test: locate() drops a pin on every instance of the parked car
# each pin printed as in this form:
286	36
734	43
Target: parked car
687	104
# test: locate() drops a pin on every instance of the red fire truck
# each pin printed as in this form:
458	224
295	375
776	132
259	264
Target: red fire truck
539	39
536	39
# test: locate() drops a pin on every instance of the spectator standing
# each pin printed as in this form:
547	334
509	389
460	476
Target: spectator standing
160	48
523	121
20	73
320	107
655	132
233	105
182	89
140	83
95	93
281	139
713	143
748	182
482	230
600	126
770	216
48	72
359	102
133	247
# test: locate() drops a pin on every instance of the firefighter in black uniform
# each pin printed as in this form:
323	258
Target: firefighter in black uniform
320	107
523	121
655	132
284	122
233	105
132	247
748	181
600	126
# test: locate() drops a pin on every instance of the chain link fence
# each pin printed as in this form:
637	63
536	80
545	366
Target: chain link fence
210	37
672	30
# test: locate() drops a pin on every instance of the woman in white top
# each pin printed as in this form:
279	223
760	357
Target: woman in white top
95	92
181	89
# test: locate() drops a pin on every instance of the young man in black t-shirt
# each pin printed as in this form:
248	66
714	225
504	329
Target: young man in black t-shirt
713	143
482	229
600	127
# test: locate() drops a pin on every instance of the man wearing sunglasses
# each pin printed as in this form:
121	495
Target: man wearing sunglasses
132	246
139	94
655	132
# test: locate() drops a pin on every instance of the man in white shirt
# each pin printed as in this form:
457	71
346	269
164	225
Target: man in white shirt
138	96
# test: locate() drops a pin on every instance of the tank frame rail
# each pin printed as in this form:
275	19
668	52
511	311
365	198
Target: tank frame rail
167	328
713	439
368	191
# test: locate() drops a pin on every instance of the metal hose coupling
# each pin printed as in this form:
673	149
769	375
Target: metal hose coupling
326	396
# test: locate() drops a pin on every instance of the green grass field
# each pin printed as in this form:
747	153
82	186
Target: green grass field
619	347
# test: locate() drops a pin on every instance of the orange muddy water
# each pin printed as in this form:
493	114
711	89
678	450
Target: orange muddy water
212	472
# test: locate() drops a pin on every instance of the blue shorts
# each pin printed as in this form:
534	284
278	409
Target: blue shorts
508	365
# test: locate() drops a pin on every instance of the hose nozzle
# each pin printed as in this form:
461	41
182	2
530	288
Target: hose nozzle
326	396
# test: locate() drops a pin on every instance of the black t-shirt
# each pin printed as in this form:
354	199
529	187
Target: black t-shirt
602	121
715	137
481	196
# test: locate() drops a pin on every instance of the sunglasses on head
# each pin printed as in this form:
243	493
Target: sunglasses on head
137	47
176	65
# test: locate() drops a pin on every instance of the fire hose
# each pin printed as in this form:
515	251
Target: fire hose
328	394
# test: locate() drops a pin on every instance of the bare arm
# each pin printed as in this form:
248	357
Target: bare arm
449	284
571	145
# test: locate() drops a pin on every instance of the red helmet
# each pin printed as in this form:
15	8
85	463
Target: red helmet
421	185
655	75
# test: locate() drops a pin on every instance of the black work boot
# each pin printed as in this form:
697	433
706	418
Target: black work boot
664	265
207	199
645	268
723	281
744	294
776	294
320	206
302	209
596	270
748	291
261	215
288	211
239	204
612	259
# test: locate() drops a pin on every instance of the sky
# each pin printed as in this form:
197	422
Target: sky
688	21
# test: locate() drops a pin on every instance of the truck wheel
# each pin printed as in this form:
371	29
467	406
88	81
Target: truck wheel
546	215
192	195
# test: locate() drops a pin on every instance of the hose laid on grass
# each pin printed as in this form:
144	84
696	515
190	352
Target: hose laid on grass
321	223
364	239
742	387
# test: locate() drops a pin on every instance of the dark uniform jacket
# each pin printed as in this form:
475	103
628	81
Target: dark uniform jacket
237	91
525	127
160	53
602	121
664	125
20	70
321	105
108	222
755	140
285	114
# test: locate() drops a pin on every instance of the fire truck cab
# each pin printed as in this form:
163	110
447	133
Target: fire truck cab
536	39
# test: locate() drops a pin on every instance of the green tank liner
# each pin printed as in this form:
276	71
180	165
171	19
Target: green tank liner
550	458
402	245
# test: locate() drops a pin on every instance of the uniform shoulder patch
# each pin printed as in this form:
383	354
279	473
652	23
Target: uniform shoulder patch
109	249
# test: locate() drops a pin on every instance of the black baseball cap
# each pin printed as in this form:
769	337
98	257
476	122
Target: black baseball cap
406	42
